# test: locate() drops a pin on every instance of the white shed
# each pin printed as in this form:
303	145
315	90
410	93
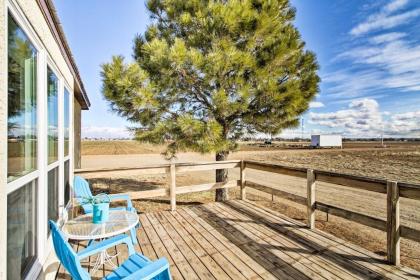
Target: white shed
331	140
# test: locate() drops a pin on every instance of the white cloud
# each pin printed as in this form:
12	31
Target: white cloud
387	37
389	61
316	104
349	84
105	132
364	119
394	64
404	124
395	5
385	19
406	116
360	116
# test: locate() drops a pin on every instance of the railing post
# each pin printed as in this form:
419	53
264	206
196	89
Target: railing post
311	186
172	187
242	178
393	223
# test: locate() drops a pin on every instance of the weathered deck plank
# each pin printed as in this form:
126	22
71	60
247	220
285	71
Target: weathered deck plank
160	249
214	247
298	252
240	240
362	259
297	255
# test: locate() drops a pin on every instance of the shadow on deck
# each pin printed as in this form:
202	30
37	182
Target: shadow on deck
240	240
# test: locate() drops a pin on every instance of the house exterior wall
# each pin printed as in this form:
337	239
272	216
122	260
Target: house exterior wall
32	21
3	143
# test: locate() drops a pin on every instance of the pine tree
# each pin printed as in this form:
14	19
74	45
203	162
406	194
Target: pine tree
208	72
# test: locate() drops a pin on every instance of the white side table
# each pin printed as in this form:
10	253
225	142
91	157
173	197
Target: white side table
82	228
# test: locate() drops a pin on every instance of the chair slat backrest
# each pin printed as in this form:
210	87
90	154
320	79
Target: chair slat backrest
82	190
66	254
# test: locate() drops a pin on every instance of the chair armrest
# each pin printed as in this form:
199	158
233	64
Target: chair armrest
149	271
122	196
100	246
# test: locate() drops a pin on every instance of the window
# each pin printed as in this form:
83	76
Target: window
66	121
66	182
52	91
21	231
22	107
53	183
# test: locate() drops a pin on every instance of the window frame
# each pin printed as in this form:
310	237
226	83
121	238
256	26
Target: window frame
22	23
57	164
19	22
13	10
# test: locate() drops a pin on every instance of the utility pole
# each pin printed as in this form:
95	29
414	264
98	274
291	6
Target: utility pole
382	136
302	120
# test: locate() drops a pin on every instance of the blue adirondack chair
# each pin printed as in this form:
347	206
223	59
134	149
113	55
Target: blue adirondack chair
135	267
82	190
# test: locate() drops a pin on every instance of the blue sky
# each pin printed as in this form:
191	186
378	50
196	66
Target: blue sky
368	51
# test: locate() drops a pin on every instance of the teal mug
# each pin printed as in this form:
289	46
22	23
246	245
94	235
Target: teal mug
101	211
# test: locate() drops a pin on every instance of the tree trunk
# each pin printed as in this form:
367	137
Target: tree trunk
222	176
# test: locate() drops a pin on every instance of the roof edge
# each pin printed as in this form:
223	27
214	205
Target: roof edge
50	15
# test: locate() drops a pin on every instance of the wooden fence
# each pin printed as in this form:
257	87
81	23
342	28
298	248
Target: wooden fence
393	190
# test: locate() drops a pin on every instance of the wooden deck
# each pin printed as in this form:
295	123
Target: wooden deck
240	240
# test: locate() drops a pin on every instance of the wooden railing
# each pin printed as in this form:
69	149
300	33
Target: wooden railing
171	170
394	191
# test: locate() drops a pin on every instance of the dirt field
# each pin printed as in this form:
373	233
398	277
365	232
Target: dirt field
126	147
119	148
400	163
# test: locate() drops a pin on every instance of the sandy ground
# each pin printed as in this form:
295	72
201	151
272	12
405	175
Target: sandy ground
401	163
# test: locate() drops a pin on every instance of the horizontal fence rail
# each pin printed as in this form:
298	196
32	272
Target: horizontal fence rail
406	232
171	170
393	190
146	169
205	166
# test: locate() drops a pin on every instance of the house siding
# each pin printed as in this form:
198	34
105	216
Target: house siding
3	144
